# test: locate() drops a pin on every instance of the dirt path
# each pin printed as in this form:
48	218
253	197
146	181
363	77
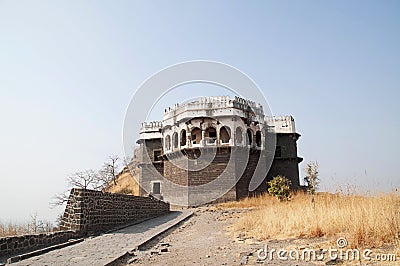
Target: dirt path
203	240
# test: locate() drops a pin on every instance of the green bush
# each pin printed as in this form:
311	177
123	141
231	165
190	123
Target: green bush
279	187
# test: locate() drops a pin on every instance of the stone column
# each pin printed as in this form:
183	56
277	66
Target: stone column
203	137
217	129
188	137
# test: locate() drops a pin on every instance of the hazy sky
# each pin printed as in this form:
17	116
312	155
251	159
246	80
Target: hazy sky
69	68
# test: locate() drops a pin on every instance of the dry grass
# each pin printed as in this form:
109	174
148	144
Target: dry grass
126	184
35	226
250	202
12	229
371	221
127	178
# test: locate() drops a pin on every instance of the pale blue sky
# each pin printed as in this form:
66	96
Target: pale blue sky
69	68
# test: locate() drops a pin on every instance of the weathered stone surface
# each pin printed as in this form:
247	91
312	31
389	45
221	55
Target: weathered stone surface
107	248
236	131
27	243
93	212
87	212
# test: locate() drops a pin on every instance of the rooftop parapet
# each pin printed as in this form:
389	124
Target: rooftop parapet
214	99
281	124
150	130
201	103
245	104
150	126
215	102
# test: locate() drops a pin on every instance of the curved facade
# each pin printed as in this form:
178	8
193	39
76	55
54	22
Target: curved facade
220	124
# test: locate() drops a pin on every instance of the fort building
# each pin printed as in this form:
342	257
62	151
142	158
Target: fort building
214	138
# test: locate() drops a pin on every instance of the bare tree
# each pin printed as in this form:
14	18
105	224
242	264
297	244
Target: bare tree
48	226
38	226
59	199
86	179
33	225
111	167
103	180
59	220
90	179
108	173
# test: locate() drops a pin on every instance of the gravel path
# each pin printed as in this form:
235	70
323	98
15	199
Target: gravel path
205	239
202	240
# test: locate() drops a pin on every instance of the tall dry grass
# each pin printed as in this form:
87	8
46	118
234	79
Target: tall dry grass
35	226
363	220
13	229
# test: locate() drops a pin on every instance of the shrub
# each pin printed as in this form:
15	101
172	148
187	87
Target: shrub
279	187
312	180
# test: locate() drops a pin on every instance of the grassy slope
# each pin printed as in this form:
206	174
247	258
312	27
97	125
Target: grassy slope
363	220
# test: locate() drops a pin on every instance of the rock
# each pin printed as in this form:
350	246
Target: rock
132	252
164	249
207	256
334	262
245	254
243	260
154	252
133	260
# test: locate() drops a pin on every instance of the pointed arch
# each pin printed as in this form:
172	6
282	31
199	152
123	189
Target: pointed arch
225	134
183	137
211	135
249	136
175	140
196	135
167	143
258	138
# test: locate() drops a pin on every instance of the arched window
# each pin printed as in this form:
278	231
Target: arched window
225	134
175	140
249	137
167	142
196	135
258	138
238	135
183	137
211	135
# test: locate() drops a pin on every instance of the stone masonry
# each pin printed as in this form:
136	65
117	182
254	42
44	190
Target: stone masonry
87	212
26	243
236	130
93	212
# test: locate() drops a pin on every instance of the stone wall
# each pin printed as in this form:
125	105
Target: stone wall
93	212
198	185
87	212
242	186
20	244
